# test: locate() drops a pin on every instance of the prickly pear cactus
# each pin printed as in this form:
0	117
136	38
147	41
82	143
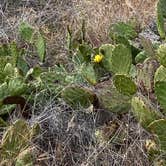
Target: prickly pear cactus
3	91
78	96
141	57
148	46
53	80
112	100
26	31
89	74
40	45
161	54
124	84
143	111
160	74
145	75
158	127
160	91
33	36
161	14
133	72
106	51
16	87
85	51
15	140
9	70
121	60
123	29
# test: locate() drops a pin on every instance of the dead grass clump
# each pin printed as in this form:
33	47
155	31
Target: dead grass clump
99	14
68	138
54	16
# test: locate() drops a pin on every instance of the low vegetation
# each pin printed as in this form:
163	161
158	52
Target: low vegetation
111	82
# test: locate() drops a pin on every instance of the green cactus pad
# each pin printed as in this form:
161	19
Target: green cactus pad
143	111
16	87
158	127
160	74
26	31
148	46
78	96
85	51
40	45
89	74
145	75
9	70
160	91
161	14
110	99
106	51
123	29
133	71
124	84
121	60
141	57
121	40
33	36
161	54
4	92
54	80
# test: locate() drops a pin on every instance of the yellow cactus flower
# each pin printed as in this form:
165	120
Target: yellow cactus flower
98	58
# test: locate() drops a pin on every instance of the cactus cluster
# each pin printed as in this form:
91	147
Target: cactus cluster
137	82
117	77
14	75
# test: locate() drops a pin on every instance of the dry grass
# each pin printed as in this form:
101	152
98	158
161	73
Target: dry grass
68	138
53	16
99	14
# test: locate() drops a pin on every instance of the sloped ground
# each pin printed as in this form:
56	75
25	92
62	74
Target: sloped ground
68	136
